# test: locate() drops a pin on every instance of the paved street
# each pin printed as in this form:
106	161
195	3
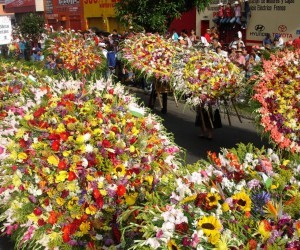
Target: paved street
180	122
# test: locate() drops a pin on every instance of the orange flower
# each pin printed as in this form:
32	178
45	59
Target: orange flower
53	217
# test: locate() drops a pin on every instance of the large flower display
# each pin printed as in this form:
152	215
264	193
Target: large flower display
80	56
278	92
76	162
21	88
245	198
205	77
151	54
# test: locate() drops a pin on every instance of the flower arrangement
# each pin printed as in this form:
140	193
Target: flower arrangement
205	77
245	198
76	162
278	94
79	55
150	54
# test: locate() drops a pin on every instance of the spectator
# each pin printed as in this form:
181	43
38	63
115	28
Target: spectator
267	40
187	40
207	35
278	41
59	67
193	36
175	36
221	14
227	14
250	64
221	52
240	59
296	43
215	43
237	14
247	14
50	62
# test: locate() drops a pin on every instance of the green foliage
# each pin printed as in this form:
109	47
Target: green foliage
154	15
32	26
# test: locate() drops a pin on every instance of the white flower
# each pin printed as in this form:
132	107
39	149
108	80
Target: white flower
153	243
87	137
84	162
89	148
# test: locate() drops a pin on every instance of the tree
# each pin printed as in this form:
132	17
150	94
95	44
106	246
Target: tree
32	26
154	15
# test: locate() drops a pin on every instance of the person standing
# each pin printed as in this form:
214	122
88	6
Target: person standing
175	36
237	14
247	14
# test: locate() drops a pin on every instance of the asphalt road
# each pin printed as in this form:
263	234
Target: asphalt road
179	121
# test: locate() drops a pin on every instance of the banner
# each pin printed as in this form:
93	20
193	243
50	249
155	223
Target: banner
5	30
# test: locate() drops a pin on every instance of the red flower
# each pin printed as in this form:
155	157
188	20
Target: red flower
72	176
39	112
55	145
41	222
96	193
53	217
64	136
121	190
62	165
37	211
106	143
182	227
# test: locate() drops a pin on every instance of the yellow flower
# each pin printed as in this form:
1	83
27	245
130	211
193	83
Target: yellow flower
55	237
62	176
213	199
20	133
131	198
91	210
131	149
22	156
72	203
60	201
16	181
13	155
53	160
66	153
119	170
225	207
72	186
80	139
172	245
60	128
211	227
32	217
264	229
188	199
149	179
85	227
243	201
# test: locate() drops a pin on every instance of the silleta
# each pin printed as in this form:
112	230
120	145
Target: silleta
62	2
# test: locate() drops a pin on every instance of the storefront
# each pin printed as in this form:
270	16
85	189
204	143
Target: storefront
64	14
100	14
20	8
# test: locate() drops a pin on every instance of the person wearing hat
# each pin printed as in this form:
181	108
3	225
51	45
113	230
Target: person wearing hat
221	12
237	14
240	59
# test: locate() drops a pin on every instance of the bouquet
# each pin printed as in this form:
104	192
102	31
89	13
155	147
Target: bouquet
205	77
244	198
80	56
76	162
150	54
278	94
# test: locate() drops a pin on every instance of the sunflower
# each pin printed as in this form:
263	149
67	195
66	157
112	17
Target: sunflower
211	227
213	199
119	170
243	201
172	245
